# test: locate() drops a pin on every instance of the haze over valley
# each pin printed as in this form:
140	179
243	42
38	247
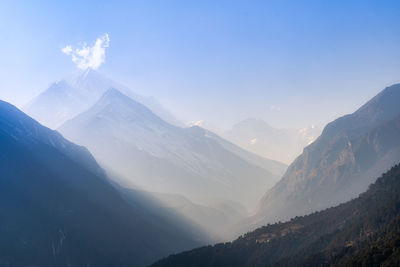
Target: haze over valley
200	134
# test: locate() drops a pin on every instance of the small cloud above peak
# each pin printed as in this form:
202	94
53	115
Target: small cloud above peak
89	56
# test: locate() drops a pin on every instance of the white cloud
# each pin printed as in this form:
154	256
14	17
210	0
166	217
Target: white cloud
89	56
67	50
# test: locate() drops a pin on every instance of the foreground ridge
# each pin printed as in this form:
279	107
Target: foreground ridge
362	232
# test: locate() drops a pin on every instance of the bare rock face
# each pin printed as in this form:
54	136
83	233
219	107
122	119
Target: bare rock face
350	153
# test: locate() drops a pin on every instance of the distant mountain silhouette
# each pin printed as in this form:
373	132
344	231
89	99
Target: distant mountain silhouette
361	232
348	156
67	98
130	139
259	137
58	208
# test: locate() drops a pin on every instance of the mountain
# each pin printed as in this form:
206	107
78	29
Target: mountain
59	208
58	103
275	167
259	137
350	153
67	98
361	232
128	138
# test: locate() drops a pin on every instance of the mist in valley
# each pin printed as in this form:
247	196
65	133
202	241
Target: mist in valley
199	134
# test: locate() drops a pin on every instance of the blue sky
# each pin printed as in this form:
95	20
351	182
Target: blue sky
292	63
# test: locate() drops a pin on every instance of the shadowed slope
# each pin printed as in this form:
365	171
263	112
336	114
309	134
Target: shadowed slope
57	207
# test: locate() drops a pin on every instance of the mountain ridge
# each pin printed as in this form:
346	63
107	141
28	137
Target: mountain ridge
59	207
341	163
68	97
151	154
362	232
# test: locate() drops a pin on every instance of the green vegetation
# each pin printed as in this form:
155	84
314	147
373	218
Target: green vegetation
361	232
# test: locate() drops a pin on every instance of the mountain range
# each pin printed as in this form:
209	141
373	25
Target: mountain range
337	167
67	98
128	138
348	156
143	147
191	186
59	208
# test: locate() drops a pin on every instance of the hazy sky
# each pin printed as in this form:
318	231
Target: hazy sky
292	63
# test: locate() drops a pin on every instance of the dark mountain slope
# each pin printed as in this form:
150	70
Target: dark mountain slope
27	131
57	207
361	232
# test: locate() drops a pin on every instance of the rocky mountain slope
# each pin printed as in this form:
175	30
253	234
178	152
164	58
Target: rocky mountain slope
348	156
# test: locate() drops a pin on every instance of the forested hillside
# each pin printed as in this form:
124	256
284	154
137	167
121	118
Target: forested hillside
362	232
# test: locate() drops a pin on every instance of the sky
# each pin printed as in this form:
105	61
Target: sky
291	63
